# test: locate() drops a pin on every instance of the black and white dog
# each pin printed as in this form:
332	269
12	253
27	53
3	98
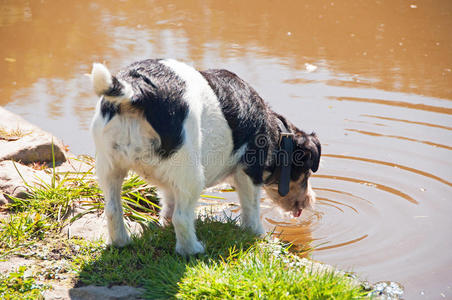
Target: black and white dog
184	130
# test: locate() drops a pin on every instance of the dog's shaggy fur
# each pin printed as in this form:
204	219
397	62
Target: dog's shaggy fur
184	130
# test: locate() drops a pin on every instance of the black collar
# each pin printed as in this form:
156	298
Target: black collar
283	159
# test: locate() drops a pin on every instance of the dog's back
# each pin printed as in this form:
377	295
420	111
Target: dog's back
154	109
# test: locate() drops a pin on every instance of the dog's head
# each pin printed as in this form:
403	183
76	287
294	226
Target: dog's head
305	161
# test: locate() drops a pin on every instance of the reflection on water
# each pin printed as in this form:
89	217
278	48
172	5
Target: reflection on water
391	164
372	184
327	201
342	244
398	137
372	78
437	109
409	122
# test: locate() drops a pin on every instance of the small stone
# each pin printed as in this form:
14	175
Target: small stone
389	289
367	286
310	67
3	200
102	292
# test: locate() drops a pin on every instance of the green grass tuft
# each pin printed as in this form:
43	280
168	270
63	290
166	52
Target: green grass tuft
259	272
12	134
236	265
151	262
53	201
20	230
16	285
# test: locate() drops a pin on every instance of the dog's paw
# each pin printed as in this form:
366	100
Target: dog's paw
165	222
121	241
256	228
259	230
193	248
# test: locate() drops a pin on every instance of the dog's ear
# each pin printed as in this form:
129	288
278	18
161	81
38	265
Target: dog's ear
315	149
307	154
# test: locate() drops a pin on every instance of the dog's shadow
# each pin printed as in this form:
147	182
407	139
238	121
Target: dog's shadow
150	261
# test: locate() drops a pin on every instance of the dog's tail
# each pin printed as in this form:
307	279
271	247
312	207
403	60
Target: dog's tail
109	86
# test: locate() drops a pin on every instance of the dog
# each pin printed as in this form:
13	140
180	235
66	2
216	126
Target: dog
184	130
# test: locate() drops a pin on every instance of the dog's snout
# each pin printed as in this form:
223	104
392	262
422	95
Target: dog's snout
309	197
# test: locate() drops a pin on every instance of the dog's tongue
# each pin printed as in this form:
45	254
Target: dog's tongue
297	213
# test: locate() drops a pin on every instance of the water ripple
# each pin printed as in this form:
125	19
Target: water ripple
390	164
399	138
370	183
418	106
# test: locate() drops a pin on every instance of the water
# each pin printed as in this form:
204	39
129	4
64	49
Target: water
373	79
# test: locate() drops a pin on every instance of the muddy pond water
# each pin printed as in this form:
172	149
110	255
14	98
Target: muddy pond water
372	78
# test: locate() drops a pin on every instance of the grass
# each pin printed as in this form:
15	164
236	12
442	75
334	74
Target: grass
16	285
19	230
261	272
12	134
236	265
50	205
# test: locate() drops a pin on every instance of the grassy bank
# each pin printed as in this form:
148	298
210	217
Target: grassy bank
236	264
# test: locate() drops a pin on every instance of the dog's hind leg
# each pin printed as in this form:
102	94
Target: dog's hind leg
249	195
110	179
167	205
184	221
187	185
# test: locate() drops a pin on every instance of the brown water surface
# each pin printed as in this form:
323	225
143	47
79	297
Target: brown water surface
372	78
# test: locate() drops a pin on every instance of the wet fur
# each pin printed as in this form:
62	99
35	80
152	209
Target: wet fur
184	130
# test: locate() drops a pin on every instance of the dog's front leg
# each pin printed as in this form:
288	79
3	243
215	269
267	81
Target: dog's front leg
249	195
110	180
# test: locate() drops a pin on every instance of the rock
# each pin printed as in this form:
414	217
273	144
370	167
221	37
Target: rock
13	263
386	290
32	148
93	227
29	143
3	200
102	292
11	182
90	226
57	292
79	164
